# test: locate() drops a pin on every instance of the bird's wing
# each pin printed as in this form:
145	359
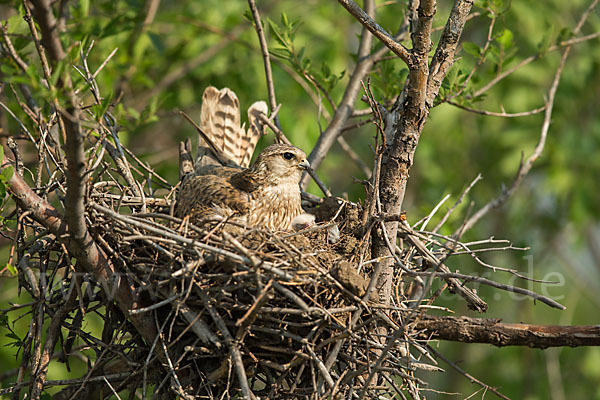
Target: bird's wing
244	180
203	195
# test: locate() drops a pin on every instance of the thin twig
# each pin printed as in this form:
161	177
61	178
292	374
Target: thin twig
266	59
525	167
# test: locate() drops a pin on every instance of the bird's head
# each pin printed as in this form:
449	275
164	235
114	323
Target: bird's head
280	164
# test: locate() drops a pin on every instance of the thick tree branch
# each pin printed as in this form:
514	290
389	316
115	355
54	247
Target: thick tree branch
44	16
89	256
493	331
444	54
410	114
81	243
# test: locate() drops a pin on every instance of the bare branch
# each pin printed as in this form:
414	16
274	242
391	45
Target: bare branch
345	108
458	201
266	59
180	71
525	167
444	54
234	349
492	331
11	50
499	114
89	256
530	59
377	31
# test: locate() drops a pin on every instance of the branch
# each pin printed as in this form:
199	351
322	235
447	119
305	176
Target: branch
499	114
10	48
86	251
492	331
444	54
52	334
234	350
525	167
410	112
45	18
266	59
377	31
346	105
179	72
149	10
530	59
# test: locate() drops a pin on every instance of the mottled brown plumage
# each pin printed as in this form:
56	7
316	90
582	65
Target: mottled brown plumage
265	194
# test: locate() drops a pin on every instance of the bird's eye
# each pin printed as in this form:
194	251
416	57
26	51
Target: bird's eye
287	155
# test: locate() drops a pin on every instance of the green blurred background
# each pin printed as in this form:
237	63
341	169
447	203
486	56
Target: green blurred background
164	67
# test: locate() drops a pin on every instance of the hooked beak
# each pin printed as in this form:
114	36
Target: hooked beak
304	165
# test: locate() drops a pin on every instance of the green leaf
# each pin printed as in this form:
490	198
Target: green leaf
277	33
284	20
157	42
8	172
305	64
12	269
248	15
325	70
13	336
46	396
103	106
544	44
452	75
300	54
34	75
133	113
506	39
484	4
472	49
565	34
85	7
294	28
280	53
493	53
8	69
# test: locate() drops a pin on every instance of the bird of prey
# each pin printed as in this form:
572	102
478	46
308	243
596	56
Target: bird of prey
265	194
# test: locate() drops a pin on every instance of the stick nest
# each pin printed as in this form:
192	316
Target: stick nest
233	302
